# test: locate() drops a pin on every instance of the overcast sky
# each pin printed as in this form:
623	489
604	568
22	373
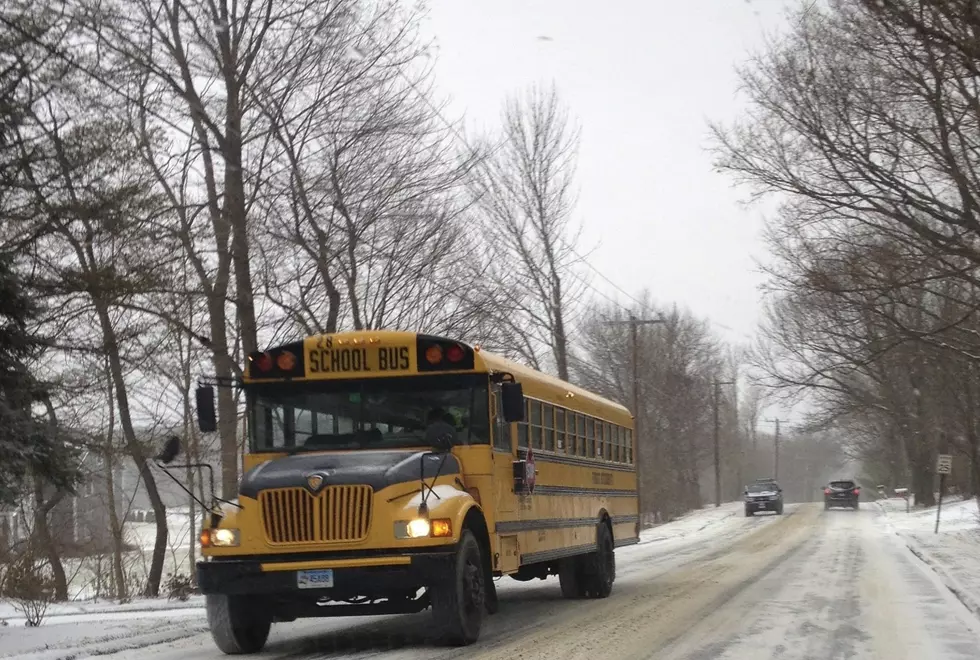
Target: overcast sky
642	78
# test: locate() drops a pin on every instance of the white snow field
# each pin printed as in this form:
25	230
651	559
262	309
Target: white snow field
953	553
714	584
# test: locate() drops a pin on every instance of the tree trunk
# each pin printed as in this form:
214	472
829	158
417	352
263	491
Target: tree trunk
922	478
42	537
111	346
121	591
115	528
227	410
188	432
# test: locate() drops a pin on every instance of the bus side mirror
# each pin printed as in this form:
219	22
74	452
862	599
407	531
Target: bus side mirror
512	400
207	418
170	451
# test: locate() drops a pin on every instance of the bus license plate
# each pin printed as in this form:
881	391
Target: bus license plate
319	579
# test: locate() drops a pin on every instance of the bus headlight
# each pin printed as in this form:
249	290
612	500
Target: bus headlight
419	528
220	538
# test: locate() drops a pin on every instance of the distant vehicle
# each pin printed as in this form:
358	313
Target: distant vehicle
763	495
842	493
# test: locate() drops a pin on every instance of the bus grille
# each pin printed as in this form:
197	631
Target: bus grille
336	514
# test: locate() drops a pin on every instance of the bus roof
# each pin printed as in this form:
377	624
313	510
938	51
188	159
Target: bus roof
548	388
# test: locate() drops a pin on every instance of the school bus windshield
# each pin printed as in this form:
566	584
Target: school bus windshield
366	414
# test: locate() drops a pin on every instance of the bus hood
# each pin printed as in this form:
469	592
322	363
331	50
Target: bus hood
377	469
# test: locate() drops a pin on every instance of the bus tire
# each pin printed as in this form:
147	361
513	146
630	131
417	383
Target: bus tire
237	626
458	602
571	578
600	566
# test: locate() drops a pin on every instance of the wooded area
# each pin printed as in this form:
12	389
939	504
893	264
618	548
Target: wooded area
863	123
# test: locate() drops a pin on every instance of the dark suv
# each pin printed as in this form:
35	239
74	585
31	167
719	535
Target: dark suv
843	493
763	495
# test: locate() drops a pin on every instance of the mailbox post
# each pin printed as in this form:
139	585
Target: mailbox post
944	465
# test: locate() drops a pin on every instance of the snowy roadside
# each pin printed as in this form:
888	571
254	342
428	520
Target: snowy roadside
112	609
53	641
953	554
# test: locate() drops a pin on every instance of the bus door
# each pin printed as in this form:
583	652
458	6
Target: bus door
504	499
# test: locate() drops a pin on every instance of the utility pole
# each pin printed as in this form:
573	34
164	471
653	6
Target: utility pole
776	446
634	324
717	396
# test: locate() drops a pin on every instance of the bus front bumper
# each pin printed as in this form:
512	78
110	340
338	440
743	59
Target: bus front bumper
379	575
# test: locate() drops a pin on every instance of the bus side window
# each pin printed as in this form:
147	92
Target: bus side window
590	438
549	427
560	428
571	430
580	434
615	449
600	450
534	418
628	443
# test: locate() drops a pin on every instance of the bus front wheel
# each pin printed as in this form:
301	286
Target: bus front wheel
458	602
237	625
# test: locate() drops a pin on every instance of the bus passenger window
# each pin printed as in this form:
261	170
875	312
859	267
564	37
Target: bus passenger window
535	422
580	435
615	442
522	426
560	428
572	433
590	438
549	427
629	445
600	449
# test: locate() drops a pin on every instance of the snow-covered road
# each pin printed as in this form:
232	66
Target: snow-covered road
809	584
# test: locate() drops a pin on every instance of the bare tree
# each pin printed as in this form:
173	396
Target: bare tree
525	199
678	362
365	227
868	130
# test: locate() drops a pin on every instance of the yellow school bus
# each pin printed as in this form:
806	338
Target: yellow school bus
390	472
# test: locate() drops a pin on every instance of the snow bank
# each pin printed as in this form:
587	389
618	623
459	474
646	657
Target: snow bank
953	553
75	609
694	522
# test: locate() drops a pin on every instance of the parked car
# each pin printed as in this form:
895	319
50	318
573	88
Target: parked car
763	495
842	493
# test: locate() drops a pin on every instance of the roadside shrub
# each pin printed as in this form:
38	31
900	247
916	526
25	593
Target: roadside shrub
30	588
178	586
